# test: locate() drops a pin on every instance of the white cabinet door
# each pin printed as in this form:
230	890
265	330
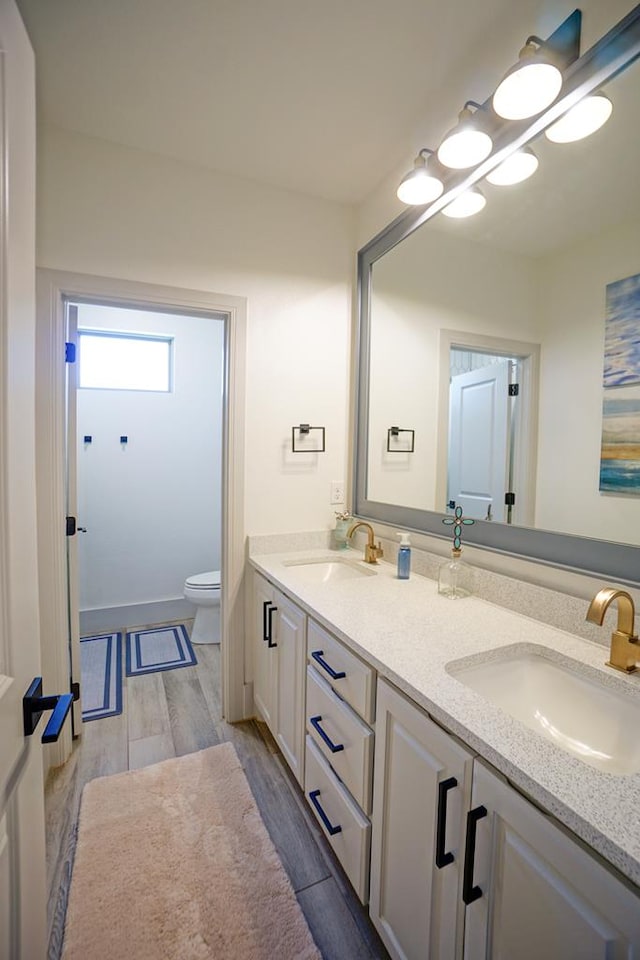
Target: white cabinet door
279	659
422	783
290	636
264	651
535	892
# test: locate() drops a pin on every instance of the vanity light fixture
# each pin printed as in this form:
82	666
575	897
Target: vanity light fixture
466	204
420	186
521	165
530	85
467	144
588	115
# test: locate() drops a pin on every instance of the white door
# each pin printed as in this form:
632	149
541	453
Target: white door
422	783
264	653
22	858
533	892
479	441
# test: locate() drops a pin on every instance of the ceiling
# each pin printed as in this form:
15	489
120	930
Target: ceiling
320	98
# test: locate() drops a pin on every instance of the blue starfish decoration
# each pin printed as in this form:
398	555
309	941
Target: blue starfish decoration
457	520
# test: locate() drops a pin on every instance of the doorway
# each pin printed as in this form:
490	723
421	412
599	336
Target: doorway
487	426
148	461
54	290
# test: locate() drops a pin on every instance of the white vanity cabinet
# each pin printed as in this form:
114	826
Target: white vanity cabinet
463	866
339	754
279	651
421	792
536	892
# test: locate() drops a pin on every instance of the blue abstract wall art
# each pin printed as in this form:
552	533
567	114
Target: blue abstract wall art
620	454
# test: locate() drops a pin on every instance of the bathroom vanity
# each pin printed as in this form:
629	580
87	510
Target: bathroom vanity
468	831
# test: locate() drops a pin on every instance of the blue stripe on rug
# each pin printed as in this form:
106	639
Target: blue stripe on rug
101	676
161	648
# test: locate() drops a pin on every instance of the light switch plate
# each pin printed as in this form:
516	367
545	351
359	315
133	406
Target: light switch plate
336	494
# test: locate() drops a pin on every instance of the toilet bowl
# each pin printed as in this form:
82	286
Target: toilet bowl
203	590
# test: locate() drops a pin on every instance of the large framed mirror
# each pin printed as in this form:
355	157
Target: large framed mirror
485	347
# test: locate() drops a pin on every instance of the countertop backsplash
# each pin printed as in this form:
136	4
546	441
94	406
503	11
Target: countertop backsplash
554	607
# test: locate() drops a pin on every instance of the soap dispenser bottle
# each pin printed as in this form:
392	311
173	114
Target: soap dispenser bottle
455	576
404	557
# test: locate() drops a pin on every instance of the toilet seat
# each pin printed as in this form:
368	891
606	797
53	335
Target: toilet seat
204	581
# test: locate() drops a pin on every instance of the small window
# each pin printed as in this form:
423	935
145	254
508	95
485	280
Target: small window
114	361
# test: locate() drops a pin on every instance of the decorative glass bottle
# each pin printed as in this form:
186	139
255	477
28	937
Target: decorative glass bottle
455	576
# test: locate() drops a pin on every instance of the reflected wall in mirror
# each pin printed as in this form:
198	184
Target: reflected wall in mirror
524	280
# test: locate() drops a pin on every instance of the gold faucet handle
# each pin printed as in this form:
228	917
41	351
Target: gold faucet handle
379	550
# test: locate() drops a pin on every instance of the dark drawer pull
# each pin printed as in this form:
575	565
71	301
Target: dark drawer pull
334	747
469	892
442	858
331	830
317	656
270	613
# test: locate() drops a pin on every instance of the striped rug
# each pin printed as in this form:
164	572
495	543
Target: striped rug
101	675
158	648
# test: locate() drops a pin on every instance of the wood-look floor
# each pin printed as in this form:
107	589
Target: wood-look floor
176	712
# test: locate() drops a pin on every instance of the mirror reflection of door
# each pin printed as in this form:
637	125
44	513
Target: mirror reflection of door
482	434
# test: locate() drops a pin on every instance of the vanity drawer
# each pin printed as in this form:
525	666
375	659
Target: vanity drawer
354	681
343	823
342	737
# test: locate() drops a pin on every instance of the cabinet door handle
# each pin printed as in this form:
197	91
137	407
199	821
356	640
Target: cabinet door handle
270	613
469	891
331	830
442	858
265	606
334	747
335	675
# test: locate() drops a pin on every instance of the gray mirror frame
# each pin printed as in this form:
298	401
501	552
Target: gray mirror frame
615	51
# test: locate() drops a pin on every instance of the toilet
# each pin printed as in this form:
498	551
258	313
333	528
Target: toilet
203	590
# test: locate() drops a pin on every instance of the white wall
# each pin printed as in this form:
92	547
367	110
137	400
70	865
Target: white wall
151	507
430	282
112	211
484	71
572	301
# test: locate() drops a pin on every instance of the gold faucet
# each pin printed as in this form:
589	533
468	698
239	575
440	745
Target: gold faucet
371	552
624	642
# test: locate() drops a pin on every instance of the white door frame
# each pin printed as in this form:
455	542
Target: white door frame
52	288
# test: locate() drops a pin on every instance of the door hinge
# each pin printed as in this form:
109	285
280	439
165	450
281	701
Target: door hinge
69	352
75	690
71	526
514	389
509	499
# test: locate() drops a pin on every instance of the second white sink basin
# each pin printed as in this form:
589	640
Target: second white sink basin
595	721
328	571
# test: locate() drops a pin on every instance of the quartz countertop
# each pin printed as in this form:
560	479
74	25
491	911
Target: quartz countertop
409	633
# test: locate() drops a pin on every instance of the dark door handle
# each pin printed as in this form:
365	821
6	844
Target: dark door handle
334	747
270	613
331	830
469	891
265	606
442	858
334	674
34	705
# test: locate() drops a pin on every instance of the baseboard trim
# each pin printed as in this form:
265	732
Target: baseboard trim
101	620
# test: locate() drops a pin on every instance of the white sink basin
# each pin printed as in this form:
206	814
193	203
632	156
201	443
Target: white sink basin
328	571
594	721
